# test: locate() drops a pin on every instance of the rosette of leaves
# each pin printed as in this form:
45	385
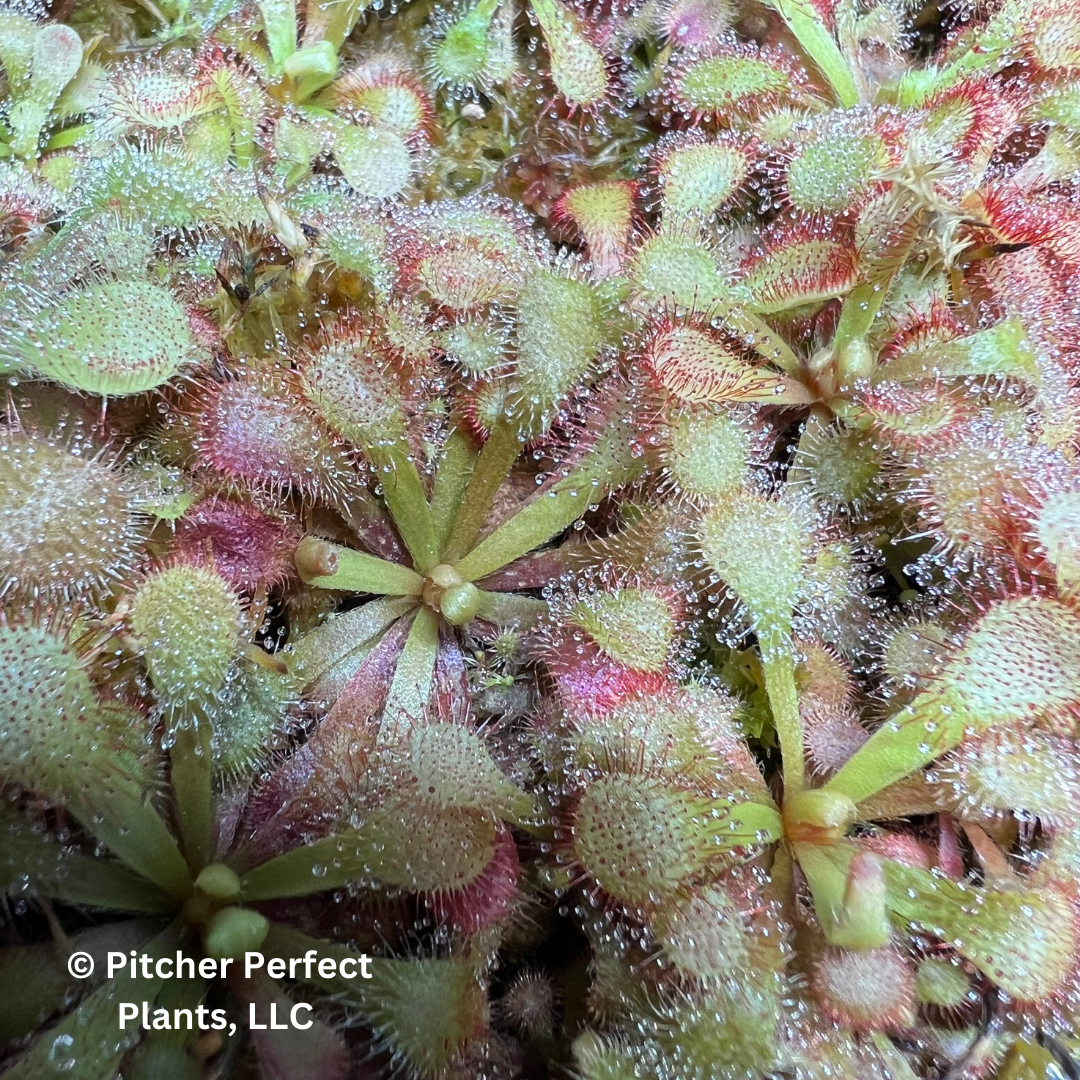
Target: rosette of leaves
823	326
849	880
159	853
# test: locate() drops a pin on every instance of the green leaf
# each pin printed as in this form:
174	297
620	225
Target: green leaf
402	844
333	22
328	863
332	566
826	870
454	770
510	609
1019	660
88	1043
163	1053
758	335
68	137
576	65
857	314
852	911
30	859
562	326
318	655
778	668
459	456
405	498
34	979
228	84
411	688
1003	349
749	823
462	54
921	732
897	1065
816	40
610	462
17	33
531	527
192	770
990	48
279	22
118	814
492	467
1022	940
288	943
374	160
311	68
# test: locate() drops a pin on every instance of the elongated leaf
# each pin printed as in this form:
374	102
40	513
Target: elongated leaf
279	22
313	788
895	1062
88	1044
34	979
68	137
492	468
456	466
778	667
533	571
858	313
609	462
17	33
411	688
405	498
118	814
315	660
1021	659
328	863
288	943
30	860
418	850
988	50
1003	349
750	823
913	796
163	1053
509	609
914	737
454	769
814	37
332	22
531	527
353	571
1023	940
758	335
848	891
192	771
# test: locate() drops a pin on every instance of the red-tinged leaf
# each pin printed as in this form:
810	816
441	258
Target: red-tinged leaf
696	366
294	1053
319	782
604	214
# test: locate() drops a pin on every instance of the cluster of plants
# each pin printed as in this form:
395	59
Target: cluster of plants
576	501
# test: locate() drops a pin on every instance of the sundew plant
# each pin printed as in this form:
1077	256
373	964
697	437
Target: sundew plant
578	503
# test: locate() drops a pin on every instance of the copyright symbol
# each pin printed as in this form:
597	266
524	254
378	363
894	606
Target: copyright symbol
80	965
